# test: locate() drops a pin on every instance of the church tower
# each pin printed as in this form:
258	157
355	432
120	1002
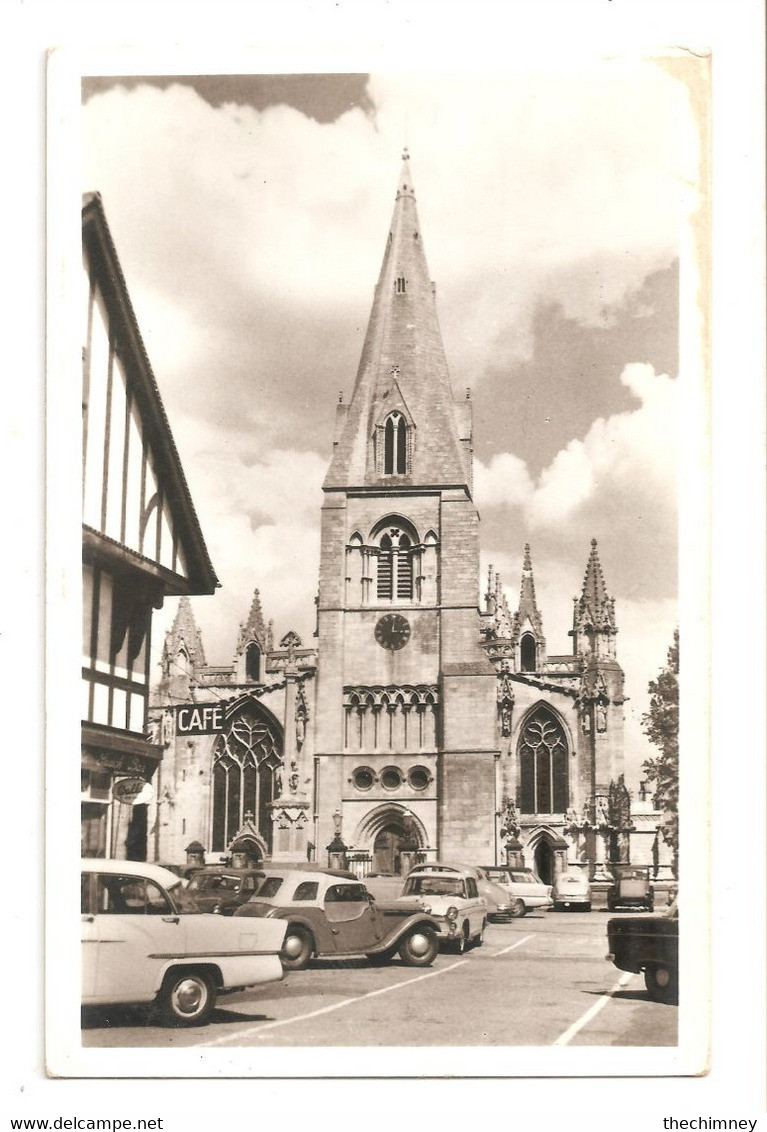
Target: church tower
405	744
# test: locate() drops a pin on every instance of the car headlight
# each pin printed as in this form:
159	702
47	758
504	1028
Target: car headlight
452	913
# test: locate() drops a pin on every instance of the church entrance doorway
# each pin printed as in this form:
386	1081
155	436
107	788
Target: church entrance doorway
544	861
387	848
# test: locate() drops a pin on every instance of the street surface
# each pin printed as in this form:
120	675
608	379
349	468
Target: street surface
541	980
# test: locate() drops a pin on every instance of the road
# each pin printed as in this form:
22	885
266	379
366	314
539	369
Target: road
538	981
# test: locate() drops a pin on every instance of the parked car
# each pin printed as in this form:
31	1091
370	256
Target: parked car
145	941
649	944
330	916
572	890
221	889
453	897
497	900
525	887
630	889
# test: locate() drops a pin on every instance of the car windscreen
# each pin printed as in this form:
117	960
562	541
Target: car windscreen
498	876
215	882
434	886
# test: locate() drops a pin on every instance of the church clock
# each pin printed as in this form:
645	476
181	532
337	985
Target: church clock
392	632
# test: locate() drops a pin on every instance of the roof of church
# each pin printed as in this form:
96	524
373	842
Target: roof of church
402	367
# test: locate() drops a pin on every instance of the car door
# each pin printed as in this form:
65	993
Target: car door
476	907
138	931
353	923
89	937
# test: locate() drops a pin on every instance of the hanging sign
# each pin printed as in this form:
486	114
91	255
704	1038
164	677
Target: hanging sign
132	791
199	719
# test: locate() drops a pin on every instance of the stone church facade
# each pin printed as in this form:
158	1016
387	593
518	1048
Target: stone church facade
416	726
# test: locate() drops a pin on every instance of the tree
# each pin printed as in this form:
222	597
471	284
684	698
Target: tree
661	725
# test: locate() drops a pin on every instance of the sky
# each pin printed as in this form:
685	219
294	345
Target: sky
250	215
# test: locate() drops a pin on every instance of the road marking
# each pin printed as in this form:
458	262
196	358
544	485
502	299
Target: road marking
592	1012
258	1030
511	947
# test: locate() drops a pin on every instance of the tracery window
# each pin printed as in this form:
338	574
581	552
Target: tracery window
543	765
245	762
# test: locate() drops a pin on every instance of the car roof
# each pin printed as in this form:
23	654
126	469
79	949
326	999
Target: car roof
216	870
445	867
130	868
298	876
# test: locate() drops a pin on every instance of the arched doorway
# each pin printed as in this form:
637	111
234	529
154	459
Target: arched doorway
387	848
544	861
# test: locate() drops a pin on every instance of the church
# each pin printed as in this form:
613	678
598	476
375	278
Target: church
415	725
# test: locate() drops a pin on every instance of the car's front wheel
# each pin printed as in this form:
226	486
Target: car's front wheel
419	947
518	907
479	938
297	948
187	998
461	941
661	983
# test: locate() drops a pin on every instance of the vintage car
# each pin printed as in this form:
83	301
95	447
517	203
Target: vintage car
330	916
453	897
145	941
572	890
497	900
221	889
526	889
631	888
649	944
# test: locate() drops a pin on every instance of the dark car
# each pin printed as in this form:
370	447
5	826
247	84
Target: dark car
630	889
649	944
330	916
221	889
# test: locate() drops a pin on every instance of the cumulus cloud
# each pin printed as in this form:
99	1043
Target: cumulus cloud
631	452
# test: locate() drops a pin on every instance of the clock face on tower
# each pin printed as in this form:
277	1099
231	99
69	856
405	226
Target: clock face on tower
392	632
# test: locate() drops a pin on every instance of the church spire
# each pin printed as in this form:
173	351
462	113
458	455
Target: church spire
527	628
254	629
182	655
594	626
402	424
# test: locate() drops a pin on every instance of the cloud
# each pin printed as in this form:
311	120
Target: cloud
632	452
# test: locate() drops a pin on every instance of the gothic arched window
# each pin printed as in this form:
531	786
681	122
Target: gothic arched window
245	760
395	565
527	653
543	765
253	662
395	445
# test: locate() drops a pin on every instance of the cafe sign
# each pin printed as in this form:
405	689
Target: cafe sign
132	791
199	719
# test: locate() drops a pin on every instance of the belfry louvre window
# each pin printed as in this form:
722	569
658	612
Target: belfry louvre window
395	566
543	765
395	445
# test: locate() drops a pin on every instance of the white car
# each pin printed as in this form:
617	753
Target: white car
452	897
525	887
144	940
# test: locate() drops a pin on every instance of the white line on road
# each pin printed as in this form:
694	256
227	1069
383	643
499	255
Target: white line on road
256	1031
592	1012
511	948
